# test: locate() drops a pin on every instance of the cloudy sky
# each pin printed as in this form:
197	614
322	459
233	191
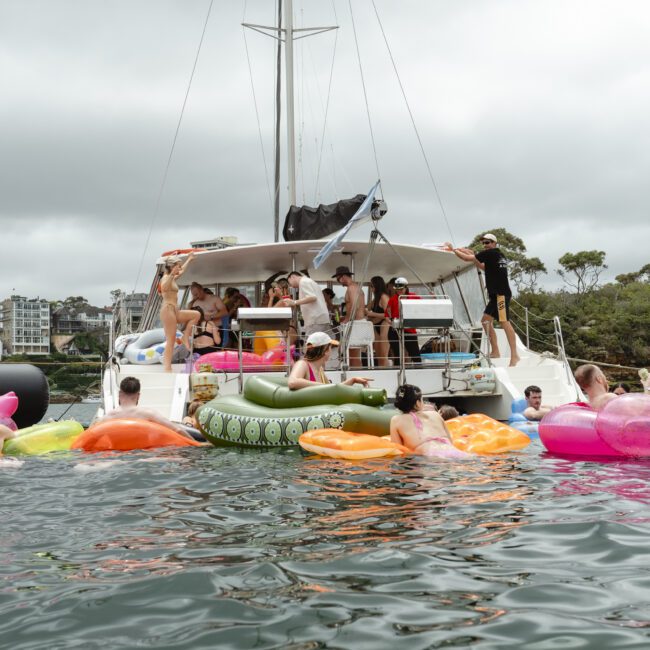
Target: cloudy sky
534	116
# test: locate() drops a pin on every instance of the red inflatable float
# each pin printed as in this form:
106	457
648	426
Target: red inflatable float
126	435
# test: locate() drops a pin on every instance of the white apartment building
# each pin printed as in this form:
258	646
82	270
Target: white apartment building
25	325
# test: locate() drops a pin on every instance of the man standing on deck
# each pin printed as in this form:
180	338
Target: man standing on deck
493	262
311	301
212	305
355	307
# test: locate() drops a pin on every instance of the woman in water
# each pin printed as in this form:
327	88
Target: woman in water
422	431
170	314
310	370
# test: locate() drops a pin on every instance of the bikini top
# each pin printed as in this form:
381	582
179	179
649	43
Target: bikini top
312	377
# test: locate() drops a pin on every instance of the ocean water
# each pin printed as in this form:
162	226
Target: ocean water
218	548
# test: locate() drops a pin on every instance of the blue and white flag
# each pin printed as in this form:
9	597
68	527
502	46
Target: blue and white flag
361	216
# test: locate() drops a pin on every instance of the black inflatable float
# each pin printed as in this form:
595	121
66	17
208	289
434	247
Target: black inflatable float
30	385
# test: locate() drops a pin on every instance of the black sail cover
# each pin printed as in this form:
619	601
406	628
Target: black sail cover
303	222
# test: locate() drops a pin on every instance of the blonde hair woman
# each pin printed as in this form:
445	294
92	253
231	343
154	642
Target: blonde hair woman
170	314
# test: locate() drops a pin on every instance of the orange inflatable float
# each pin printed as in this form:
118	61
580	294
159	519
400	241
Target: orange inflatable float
350	446
480	434
126	435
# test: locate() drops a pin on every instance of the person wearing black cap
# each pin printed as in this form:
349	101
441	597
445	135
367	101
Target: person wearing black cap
355	307
493	262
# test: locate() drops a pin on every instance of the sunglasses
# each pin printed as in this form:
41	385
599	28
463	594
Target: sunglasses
486	241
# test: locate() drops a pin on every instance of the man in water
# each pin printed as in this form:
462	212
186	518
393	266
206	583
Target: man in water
312	303
353	296
593	382
535	410
128	399
493	262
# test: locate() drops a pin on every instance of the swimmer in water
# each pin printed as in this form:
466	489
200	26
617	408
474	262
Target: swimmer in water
423	431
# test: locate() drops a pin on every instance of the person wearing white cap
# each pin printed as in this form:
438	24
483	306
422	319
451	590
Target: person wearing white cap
310	370
493	262
393	311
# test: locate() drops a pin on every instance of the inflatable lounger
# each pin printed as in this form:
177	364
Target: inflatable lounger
269	414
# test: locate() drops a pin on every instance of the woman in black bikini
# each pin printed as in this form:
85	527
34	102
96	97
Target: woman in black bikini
376	313
206	334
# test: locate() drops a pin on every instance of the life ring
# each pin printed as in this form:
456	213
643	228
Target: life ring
350	446
149	347
620	429
251	420
182	251
43	438
480	434
518	421
129	434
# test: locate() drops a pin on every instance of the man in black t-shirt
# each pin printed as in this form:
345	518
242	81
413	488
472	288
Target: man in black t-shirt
493	262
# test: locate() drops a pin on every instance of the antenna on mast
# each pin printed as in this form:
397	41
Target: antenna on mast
287	35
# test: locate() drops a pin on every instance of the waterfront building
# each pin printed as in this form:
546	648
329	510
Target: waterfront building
25	325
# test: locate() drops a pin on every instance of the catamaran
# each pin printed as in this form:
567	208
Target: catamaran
460	373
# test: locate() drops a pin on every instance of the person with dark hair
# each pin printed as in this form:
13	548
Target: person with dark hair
311	301
447	412
534	409
495	265
376	313
206	335
334	310
620	389
128	399
422	431
310	370
212	306
170	315
393	311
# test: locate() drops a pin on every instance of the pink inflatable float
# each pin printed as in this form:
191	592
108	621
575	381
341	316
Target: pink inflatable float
620	428
229	359
8	406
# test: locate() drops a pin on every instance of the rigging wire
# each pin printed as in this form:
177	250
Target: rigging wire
327	106
365	96
257	113
171	151
417	134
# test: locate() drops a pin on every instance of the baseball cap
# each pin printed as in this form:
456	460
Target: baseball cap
401	282
489	236
320	338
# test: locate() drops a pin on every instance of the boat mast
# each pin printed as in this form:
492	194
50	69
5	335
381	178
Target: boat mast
291	136
278	126
288	35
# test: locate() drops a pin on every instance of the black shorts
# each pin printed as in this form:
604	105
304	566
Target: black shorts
492	308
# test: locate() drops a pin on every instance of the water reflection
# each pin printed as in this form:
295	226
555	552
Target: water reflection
222	548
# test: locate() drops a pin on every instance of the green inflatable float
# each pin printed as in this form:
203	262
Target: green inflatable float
43	438
269	414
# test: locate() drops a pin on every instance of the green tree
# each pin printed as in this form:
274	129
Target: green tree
582	270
